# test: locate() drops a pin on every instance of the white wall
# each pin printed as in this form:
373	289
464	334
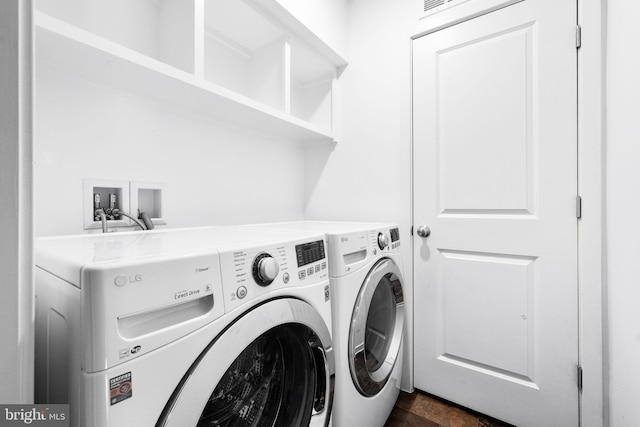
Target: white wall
215	174
623	206
366	175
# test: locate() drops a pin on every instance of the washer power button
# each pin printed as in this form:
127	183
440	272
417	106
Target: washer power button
241	292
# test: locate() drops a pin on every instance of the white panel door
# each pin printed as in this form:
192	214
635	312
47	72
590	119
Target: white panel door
495	166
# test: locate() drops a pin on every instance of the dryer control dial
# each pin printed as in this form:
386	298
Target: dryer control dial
265	269
383	241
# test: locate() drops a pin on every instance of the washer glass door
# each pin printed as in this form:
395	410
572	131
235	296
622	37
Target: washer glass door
270	368
376	328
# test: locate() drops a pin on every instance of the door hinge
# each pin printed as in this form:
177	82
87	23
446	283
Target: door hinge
579	378
578	207
578	36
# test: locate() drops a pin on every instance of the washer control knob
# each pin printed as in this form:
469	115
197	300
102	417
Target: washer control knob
383	241
265	269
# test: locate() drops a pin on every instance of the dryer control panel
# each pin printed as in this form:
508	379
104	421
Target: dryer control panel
385	239
353	250
258	272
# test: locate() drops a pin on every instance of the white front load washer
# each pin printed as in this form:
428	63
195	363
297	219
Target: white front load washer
192	327
365	269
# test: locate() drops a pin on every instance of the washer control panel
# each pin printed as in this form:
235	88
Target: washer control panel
311	258
262	271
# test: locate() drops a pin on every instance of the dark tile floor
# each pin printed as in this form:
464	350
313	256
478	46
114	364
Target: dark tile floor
421	410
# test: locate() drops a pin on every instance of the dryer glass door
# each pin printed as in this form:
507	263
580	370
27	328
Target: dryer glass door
272	367
375	334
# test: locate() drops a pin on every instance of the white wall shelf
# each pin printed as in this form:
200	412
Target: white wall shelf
71	49
277	13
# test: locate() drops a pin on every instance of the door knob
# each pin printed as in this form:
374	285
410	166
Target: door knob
423	231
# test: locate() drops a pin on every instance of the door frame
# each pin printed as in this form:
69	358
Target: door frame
16	191
592	284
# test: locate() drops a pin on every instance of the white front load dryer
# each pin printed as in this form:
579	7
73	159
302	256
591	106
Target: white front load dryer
368	317
185	328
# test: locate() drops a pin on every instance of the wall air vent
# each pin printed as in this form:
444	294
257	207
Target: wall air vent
428	8
430	4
